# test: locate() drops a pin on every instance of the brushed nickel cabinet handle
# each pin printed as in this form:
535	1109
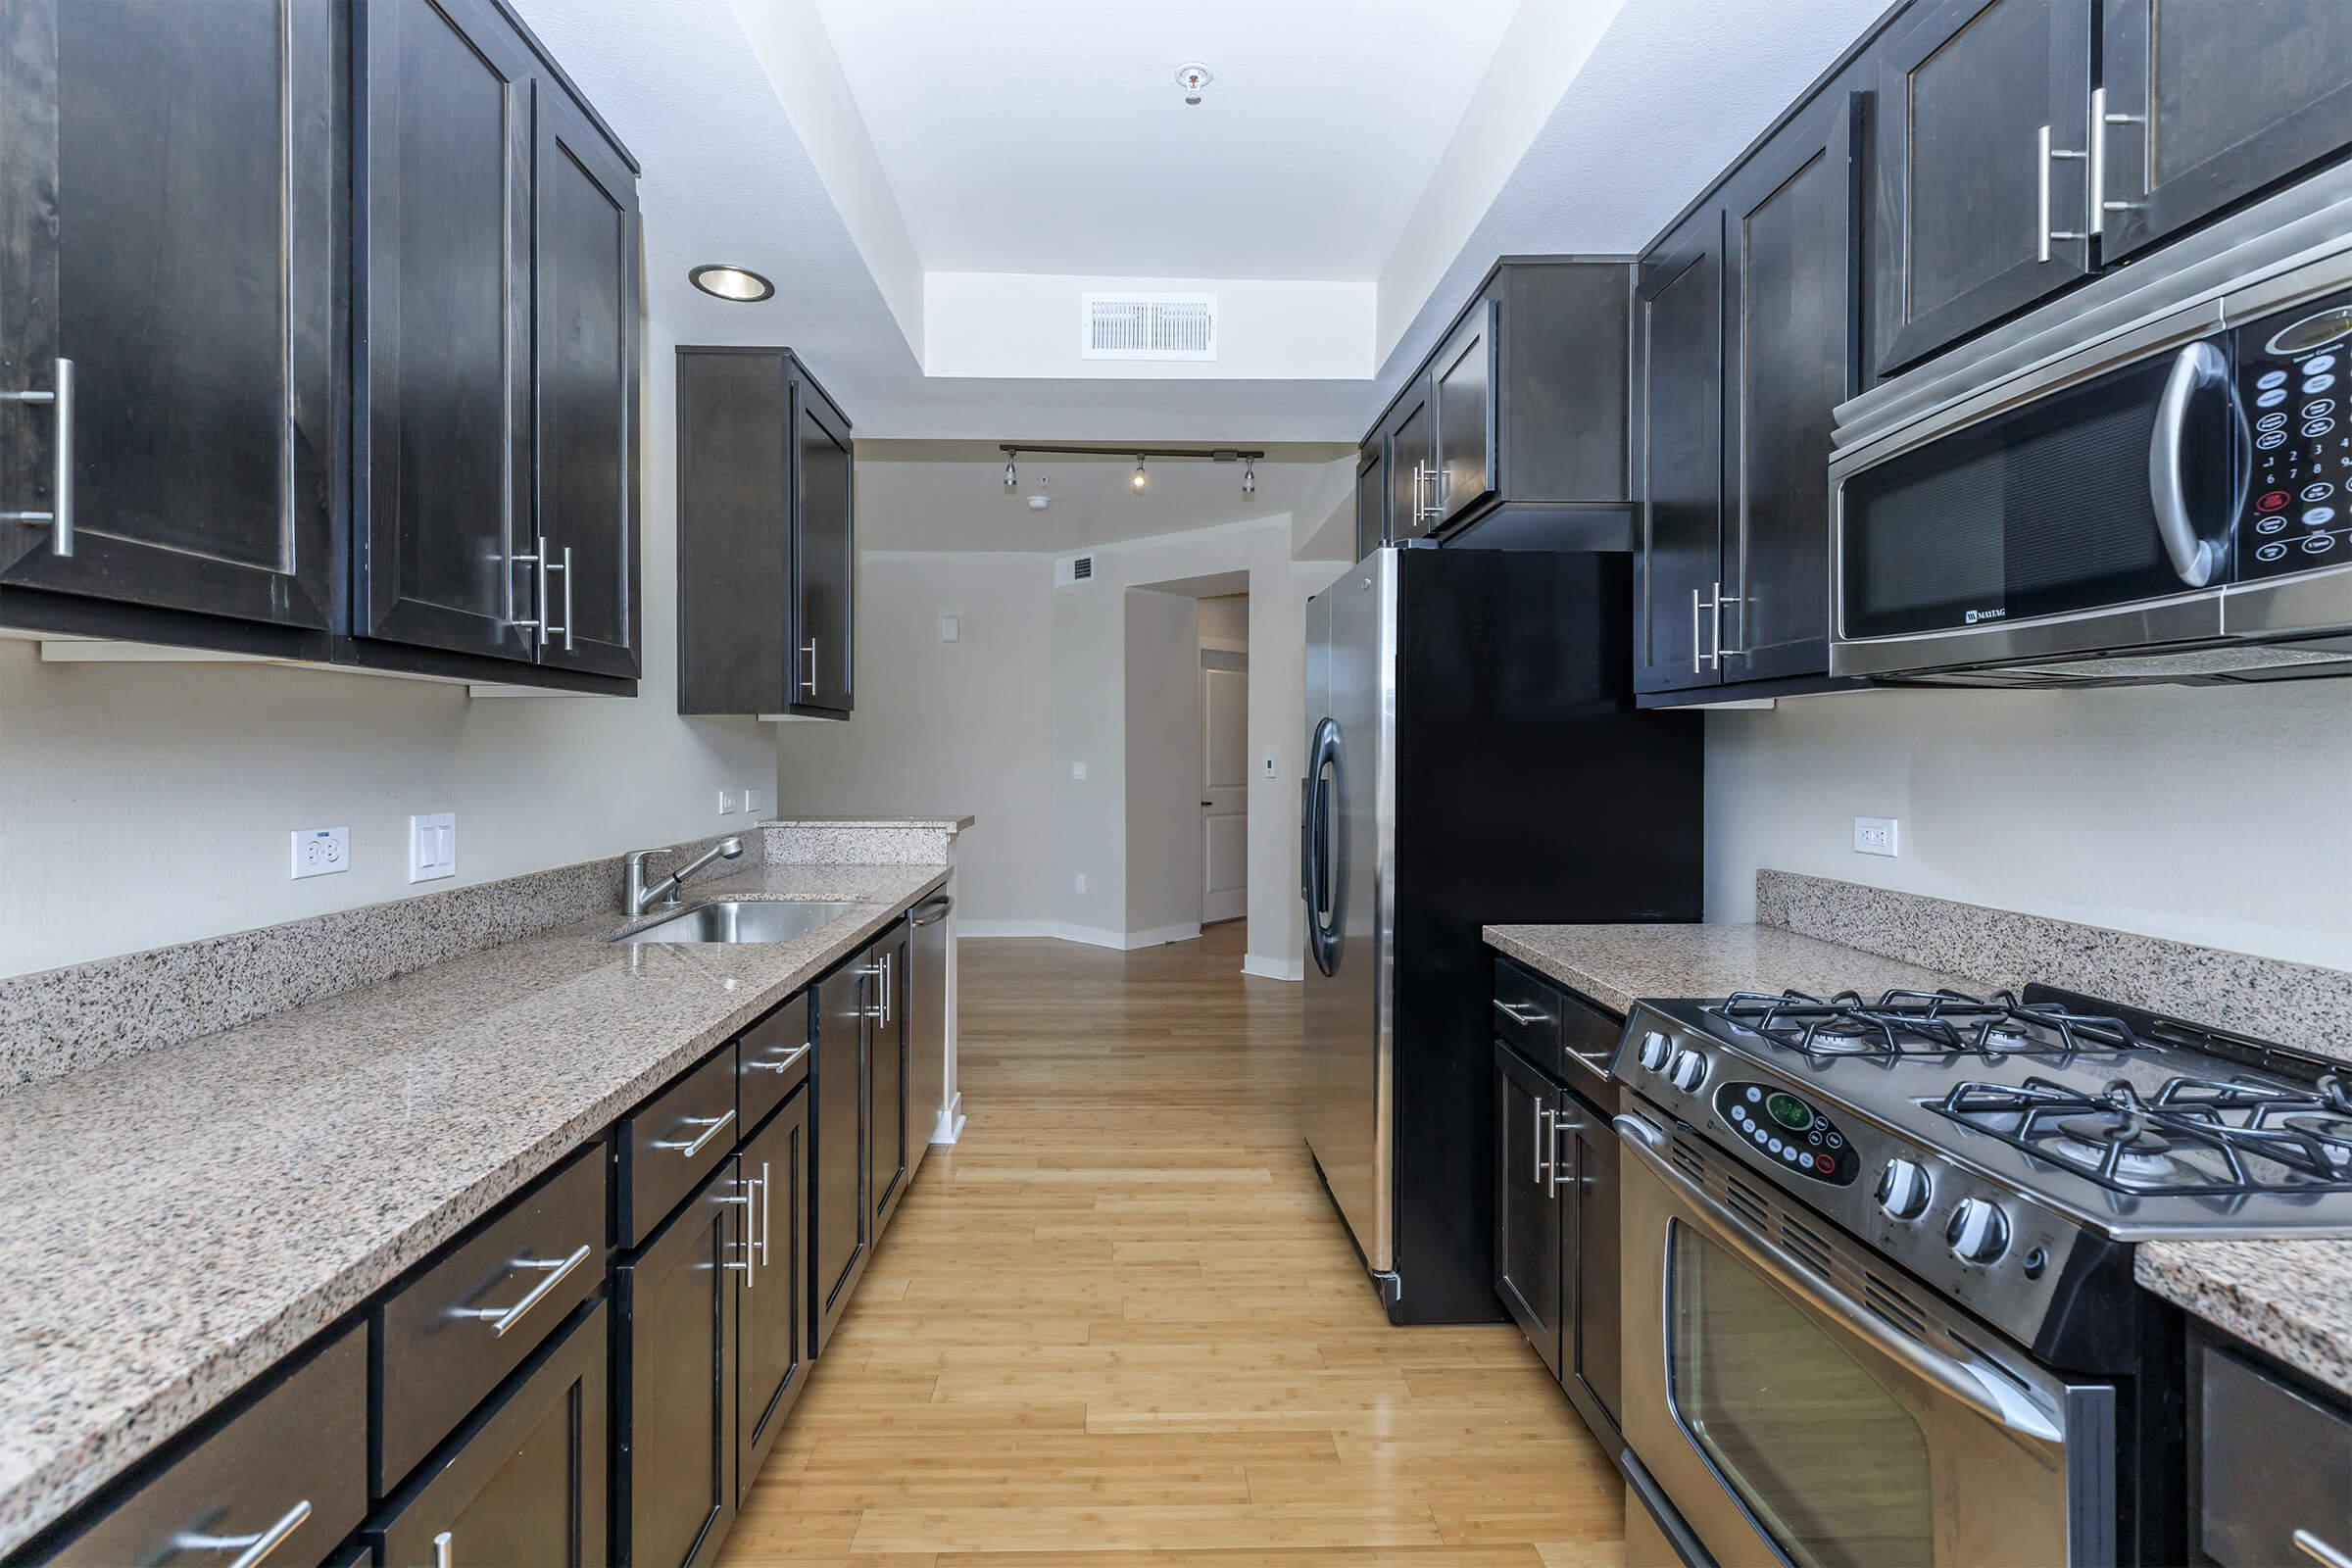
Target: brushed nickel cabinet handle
2319	1552
503	1319
2045	155
1543	1147
442	1555
809	685
709	1126
60	515
785	1063
256	1546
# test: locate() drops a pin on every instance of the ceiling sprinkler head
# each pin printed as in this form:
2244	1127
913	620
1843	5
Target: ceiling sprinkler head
1192	78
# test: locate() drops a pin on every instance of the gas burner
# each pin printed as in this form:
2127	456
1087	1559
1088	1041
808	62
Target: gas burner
1903	1025
2197	1137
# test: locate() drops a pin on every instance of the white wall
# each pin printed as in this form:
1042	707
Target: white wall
2212	816
1162	744
145	805
945	727
1224	622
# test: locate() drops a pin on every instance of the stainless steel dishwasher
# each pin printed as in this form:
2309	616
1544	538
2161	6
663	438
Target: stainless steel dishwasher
927	1039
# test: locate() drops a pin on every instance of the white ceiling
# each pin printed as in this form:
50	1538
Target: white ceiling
1670	94
950	495
1050	136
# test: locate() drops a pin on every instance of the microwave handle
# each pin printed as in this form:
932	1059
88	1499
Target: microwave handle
2194	558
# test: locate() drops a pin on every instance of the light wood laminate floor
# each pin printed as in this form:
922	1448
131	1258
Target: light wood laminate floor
1120	1323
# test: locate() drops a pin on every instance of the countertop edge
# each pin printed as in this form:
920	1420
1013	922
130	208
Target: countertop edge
2220	1283
88	1463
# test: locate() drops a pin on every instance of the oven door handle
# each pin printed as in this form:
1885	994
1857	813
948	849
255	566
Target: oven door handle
1984	1391
2195	559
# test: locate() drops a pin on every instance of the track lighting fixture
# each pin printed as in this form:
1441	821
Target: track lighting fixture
1249	476
1012	476
1138	482
1140	478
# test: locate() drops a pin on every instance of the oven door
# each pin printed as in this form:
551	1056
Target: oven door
1791	1423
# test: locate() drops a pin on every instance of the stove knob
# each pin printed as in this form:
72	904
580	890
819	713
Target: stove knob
1979	1232
1689	1071
1905	1190
1655	1049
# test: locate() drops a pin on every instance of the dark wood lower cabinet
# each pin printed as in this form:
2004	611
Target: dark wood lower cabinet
526	1480
886	1077
774	1343
1592	1324
674	1375
837	1130
1527	1203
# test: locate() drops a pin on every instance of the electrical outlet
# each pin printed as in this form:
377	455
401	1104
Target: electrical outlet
1077	771
726	802
1081	881
755	800
432	847
320	851
1876	835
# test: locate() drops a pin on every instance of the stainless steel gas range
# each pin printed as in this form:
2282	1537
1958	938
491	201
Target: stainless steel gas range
1878	1294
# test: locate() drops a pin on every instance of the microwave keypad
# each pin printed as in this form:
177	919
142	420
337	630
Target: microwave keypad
2294	379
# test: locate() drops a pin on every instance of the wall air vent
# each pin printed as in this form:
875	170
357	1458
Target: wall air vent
1148	326
1073	570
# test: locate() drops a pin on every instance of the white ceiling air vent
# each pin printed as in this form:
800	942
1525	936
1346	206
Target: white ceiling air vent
1073	570
1148	326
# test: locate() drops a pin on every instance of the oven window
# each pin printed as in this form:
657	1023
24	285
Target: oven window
1830	1466
2042	511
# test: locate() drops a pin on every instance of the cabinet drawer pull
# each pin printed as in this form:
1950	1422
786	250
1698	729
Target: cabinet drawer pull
1518	1014
790	1059
503	1319
60	515
709	1126
256	1547
2319	1552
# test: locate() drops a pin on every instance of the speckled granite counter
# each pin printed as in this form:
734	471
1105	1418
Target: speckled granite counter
2291	1298
1613	964
180	1219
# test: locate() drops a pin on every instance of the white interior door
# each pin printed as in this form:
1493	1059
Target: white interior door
1225	788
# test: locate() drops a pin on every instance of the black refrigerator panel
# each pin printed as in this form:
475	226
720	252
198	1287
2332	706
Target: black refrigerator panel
1529	790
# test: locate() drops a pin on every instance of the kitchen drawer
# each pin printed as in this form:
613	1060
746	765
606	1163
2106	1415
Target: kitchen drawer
771	1062
294	1461
1527	1015
673	1141
2275	1469
451	1334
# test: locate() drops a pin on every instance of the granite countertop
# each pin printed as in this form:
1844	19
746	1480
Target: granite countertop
2290	1298
181	1219
1616	965
944	824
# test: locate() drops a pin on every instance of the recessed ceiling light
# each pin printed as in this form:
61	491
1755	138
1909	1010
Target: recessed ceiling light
736	283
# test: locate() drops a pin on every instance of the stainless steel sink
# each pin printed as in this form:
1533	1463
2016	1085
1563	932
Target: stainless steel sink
742	922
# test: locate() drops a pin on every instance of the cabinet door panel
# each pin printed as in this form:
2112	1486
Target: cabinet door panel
837	1203
1371	499
584	385
826	562
1963	96
1526	1212
1679	306
1790	292
676	1368
446	225
1463	375
1412	456
167	212
775	1340
886	1081
1594	1351
734	533
2215	99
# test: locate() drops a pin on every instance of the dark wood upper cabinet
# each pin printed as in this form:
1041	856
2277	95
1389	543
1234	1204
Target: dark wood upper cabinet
1678	420
768	552
168	223
1409	435
1371	496
443	220
2209	101
1462	381
824	537
1983	167
1792	253
584	387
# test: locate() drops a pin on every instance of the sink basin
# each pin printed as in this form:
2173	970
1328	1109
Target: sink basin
743	922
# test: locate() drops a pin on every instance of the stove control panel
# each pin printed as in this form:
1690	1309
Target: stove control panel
1788	1127
2293	371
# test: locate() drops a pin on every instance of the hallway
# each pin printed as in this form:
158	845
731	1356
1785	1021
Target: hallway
1120	1323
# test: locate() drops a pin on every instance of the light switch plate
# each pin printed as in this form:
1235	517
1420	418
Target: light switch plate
1877	834
951	628
320	851
1273	763
755	800
1077	771
726	802
432	847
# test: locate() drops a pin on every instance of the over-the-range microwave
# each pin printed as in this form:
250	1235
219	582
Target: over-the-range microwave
2170	502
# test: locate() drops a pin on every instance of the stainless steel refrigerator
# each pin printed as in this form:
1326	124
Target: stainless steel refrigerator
1474	758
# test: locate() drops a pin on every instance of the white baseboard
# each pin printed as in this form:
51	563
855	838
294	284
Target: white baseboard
1090	936
950	1122
1273	968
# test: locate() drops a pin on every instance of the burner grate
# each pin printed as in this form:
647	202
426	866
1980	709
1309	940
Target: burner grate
1923	1023
2194	1138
